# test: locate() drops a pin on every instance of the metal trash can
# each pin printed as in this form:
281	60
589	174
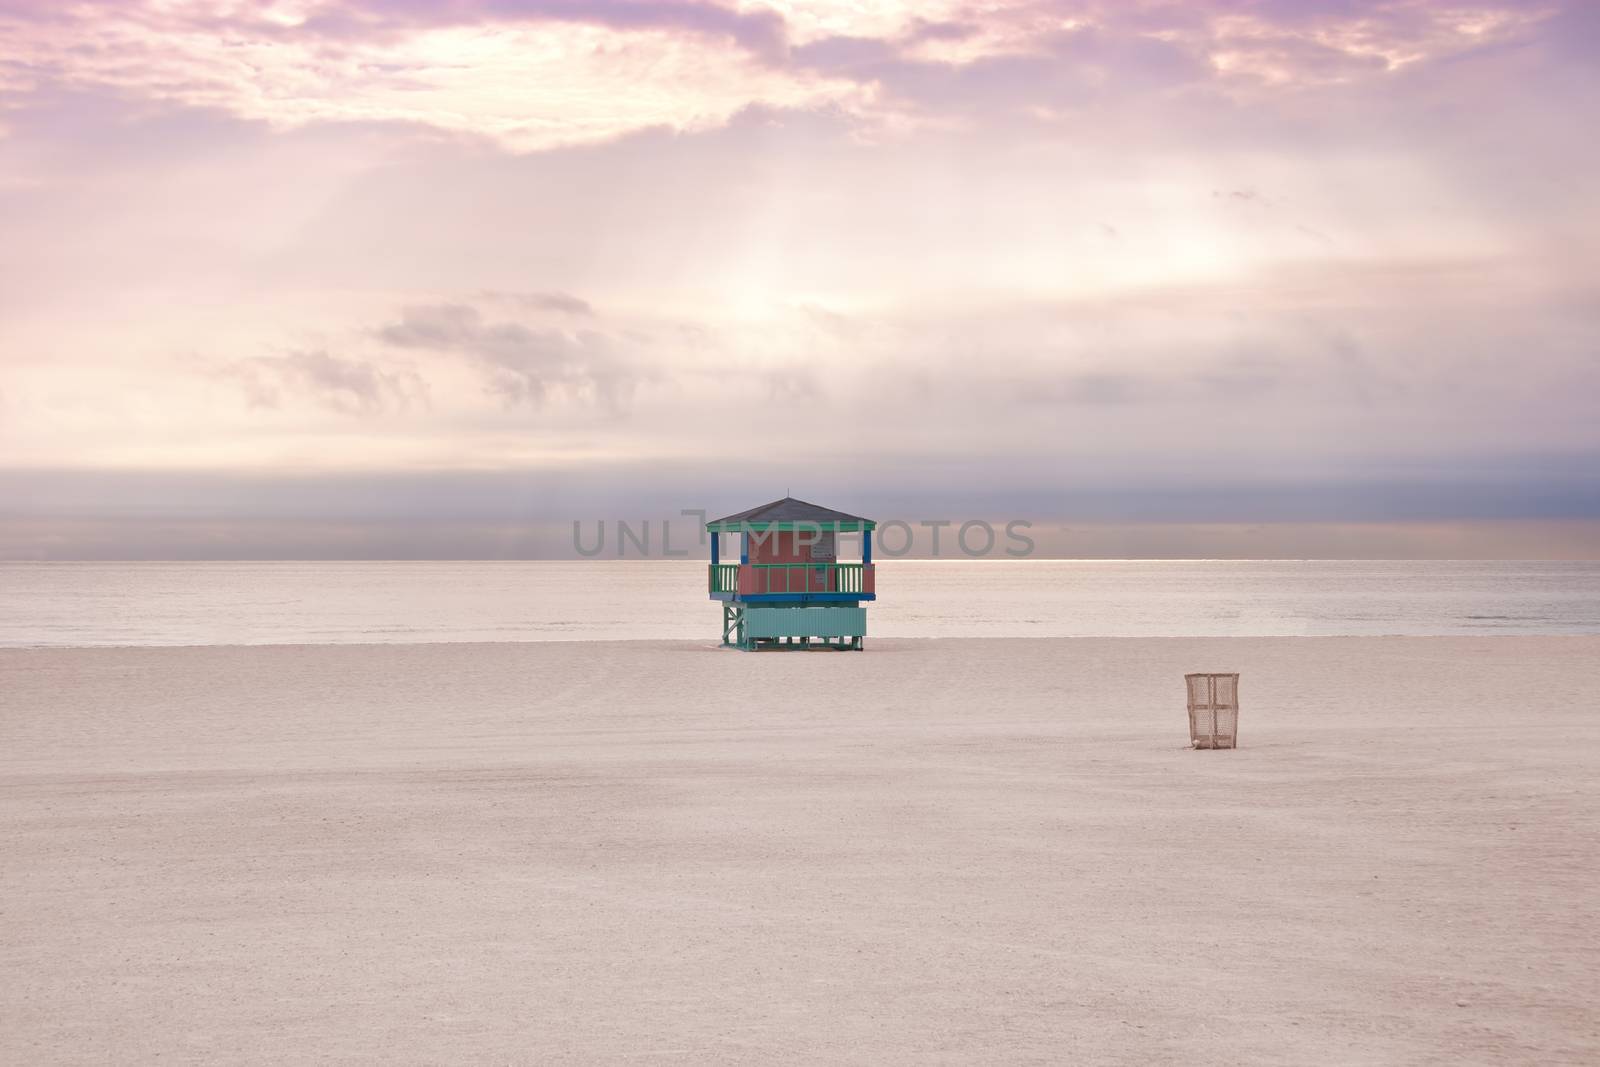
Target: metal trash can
1213	710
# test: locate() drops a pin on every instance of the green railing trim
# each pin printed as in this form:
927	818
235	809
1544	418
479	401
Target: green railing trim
790	527
848	577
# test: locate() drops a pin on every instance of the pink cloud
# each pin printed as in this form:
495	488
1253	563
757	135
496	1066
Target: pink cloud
1026	230
691	63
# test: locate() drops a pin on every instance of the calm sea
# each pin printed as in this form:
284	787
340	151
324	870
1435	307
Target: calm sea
71	604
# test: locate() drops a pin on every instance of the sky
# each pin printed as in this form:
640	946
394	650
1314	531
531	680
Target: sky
374	278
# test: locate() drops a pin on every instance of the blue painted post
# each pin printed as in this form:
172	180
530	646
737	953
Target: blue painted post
716	549
866	546
744	548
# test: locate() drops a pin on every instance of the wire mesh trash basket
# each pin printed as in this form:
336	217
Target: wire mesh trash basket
1213	710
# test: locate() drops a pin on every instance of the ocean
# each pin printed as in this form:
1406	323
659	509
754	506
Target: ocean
98	604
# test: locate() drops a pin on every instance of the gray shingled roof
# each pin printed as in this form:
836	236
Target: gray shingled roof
789	510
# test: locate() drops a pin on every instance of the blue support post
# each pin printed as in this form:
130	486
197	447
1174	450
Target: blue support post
866	546
716	549
744	548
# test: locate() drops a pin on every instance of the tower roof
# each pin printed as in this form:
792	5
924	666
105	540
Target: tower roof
786	514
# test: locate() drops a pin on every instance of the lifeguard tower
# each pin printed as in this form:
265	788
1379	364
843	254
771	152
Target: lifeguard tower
789	589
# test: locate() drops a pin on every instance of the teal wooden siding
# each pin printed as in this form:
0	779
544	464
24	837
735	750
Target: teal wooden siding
805	622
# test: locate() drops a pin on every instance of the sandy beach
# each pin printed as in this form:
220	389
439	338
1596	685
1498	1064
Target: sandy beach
936	851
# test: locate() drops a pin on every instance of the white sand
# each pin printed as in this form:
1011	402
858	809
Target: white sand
956	851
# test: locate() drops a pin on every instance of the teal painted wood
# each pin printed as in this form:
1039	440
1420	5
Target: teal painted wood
724	577
733	625
787	527
760	622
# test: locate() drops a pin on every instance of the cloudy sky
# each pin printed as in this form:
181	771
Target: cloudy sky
305	278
